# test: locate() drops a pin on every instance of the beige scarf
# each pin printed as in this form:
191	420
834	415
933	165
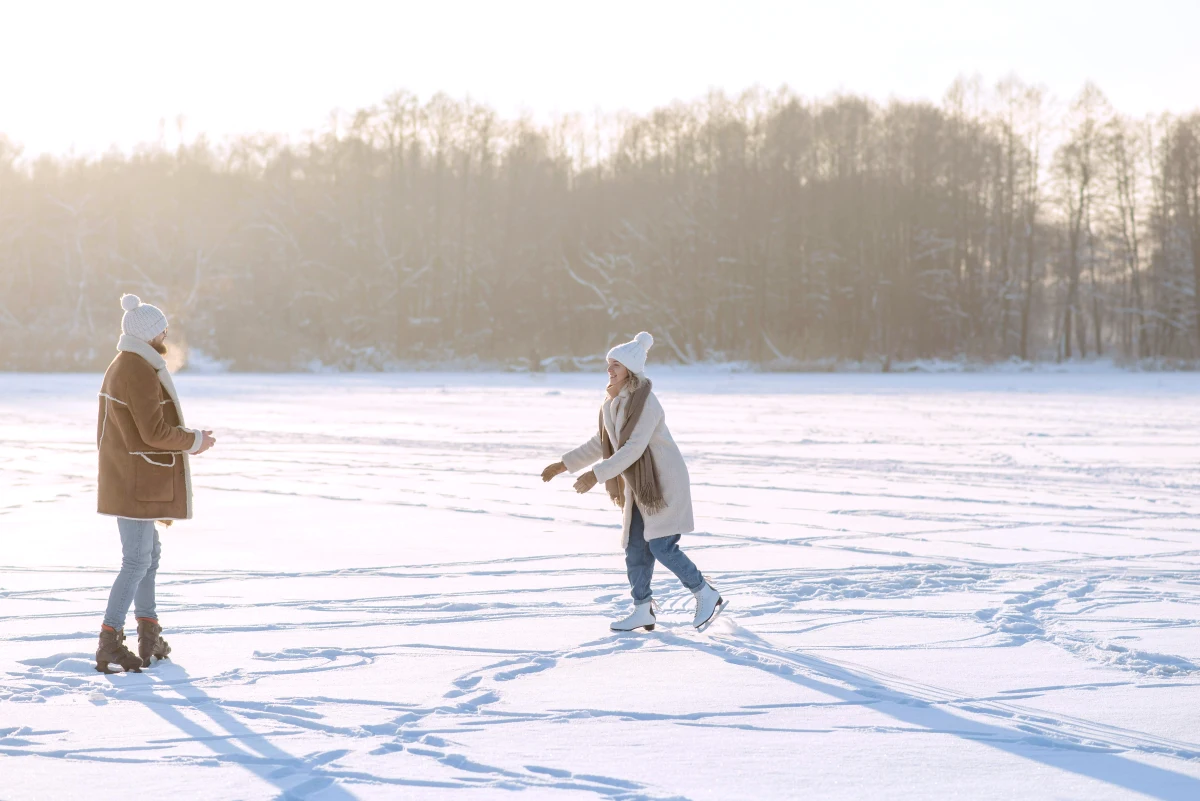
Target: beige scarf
641	473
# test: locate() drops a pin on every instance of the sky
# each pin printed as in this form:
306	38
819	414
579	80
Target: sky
86	77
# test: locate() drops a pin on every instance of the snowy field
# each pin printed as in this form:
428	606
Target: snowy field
958	586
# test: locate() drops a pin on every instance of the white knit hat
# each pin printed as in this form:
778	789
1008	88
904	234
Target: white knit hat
633	354
141	320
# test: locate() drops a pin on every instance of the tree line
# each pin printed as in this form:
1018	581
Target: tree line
765	227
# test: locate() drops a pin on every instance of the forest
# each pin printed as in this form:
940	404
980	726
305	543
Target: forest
789	232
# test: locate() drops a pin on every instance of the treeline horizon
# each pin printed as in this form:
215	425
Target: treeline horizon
765	227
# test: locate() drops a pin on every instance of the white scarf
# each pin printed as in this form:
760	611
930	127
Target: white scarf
141	348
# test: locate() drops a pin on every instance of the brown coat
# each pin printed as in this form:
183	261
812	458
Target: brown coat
144	472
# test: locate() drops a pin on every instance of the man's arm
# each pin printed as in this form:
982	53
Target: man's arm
141	391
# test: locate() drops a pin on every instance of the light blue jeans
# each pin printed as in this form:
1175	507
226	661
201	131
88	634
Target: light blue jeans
641	553
140	550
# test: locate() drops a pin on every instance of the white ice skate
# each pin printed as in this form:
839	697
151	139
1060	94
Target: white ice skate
709	604
642	618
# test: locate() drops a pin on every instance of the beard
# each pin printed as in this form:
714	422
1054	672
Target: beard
161	347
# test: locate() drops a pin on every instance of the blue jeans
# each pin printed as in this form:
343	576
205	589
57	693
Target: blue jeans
640	554
140	549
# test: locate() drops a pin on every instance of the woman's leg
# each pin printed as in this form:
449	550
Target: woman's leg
137	545
639	561
143	600
666	550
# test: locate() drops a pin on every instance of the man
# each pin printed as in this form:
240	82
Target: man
144	476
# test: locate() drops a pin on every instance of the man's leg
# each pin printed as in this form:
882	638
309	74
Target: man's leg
666	550
150	641
639	561
143	599
137	546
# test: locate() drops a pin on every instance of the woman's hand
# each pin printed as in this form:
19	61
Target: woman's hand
585	482
553	470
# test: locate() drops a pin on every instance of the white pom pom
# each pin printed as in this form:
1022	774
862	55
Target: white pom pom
130	302
645	340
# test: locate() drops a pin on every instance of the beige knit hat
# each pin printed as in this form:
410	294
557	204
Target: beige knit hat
141	320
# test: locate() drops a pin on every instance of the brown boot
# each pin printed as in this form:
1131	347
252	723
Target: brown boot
150	641
112	649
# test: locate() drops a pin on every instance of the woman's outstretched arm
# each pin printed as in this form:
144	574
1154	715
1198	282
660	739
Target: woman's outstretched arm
586	454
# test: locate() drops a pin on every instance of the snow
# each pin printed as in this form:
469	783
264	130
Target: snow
942	585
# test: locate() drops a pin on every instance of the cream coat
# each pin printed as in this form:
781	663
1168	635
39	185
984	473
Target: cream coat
651	432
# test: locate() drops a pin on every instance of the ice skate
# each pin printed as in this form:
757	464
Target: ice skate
112	649
642	618
151	645
709	604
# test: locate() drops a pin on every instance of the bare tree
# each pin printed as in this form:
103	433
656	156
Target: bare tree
1076	164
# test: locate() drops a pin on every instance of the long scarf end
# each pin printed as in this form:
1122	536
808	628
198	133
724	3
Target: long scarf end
653	507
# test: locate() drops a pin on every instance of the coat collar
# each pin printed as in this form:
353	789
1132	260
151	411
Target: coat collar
128	344
142	348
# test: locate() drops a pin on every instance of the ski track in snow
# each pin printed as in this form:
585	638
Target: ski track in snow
988	584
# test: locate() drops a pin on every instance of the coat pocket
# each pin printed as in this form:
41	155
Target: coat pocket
154	478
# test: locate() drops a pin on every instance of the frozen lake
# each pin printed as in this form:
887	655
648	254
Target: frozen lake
976	586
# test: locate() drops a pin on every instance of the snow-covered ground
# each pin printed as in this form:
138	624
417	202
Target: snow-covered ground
971	586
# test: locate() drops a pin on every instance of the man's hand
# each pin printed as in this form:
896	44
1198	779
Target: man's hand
586	482
553	470
207	441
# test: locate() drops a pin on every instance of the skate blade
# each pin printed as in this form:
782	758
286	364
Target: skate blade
649	627
720	607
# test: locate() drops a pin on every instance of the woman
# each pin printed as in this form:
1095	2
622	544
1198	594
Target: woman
644	473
